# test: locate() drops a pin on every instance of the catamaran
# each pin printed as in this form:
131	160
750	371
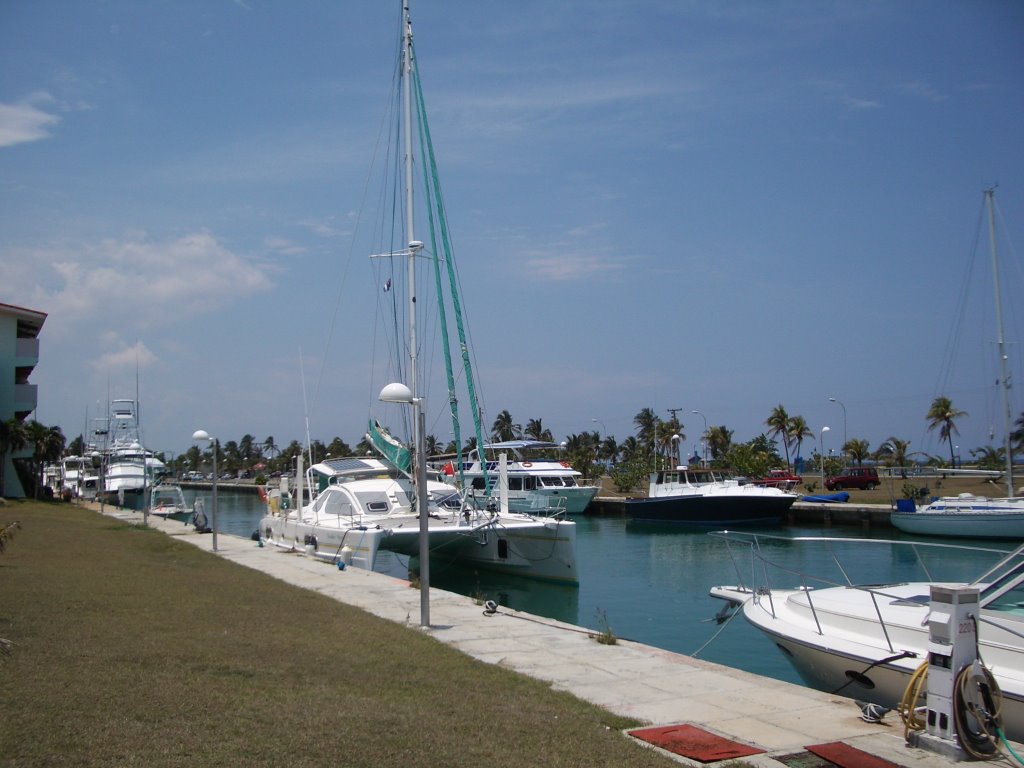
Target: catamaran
359	506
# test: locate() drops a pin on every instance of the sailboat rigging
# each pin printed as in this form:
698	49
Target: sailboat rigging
968	515
360	505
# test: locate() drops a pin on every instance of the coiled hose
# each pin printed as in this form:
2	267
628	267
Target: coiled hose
977	704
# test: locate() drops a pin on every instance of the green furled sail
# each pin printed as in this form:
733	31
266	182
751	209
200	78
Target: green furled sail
391	449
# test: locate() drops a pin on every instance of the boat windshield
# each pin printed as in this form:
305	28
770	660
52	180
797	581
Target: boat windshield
1006	593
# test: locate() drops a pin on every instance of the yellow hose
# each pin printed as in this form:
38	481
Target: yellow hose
912	696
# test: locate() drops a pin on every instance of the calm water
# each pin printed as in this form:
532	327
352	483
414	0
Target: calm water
643	583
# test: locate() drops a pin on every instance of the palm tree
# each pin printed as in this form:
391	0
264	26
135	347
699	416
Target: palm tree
989	457
798	432
535	430
1017	436
503	428
430	444
270	449
857	450
719	441
778	424
942	414
13	437
630	447
646	427
895	453
609	449
47	445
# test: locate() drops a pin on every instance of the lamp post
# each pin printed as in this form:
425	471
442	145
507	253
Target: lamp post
200	435
400	393
821	457
704	437
675	450
834	400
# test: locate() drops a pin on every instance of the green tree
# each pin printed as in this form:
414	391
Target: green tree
943	415
580	451
753	459
608	450
47	446
1017	435
857	450
798	432
778	424
894	453
13	437
989	457
535	430
647	428
719	443
629	449
504	428
338	448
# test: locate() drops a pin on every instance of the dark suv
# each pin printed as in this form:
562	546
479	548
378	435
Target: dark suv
864	478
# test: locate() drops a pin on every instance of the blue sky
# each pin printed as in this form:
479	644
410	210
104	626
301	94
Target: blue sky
713	206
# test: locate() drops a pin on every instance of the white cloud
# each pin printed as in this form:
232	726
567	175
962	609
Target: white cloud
569	266
125	358
25	122
283	246
132	282
924	91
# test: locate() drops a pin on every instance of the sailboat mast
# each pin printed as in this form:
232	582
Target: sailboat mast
411	242
1000	340
410	238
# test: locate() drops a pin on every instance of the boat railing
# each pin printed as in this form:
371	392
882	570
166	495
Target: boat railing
766	574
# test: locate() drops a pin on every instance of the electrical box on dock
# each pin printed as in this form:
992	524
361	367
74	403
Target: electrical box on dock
952	645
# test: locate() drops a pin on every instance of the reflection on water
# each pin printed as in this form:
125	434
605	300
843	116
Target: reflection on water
642	583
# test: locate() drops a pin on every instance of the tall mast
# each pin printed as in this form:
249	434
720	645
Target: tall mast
410	238
1000	340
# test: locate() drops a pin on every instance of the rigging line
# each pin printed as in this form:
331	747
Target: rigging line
351	252
726	623
456	303
424	135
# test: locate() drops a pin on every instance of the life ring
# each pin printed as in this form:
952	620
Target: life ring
527	464
565	464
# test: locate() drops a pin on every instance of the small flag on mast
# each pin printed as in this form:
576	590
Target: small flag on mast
387	285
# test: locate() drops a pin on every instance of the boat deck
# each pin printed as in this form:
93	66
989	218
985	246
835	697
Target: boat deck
627	678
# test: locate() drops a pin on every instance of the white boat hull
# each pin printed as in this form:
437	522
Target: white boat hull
539	549
967	516
840	647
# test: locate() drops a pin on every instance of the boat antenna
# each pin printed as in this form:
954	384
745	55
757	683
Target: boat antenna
305	407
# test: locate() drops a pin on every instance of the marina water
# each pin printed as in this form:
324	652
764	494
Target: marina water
642	583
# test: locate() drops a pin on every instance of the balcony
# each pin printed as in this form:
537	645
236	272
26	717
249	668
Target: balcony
26	397
26	352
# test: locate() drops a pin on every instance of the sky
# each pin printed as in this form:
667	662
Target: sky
706	206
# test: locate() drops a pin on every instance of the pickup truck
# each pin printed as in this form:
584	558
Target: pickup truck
780	478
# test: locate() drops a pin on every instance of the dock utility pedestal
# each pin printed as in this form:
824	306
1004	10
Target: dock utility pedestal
962	709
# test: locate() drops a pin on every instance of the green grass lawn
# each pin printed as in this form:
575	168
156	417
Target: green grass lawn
132	649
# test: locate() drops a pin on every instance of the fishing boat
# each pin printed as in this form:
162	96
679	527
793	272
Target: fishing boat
128	469
538	478
967	515
844	633
359	506
708	497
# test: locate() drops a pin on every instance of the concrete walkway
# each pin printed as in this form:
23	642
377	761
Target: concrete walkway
626	678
